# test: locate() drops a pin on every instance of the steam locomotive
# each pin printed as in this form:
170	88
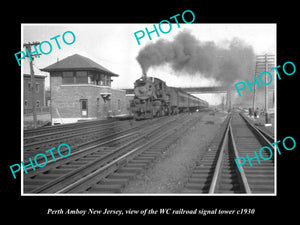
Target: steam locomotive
153	98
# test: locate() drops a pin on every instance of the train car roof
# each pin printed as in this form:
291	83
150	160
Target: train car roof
182	91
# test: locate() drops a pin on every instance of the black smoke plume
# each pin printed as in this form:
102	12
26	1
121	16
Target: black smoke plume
233	62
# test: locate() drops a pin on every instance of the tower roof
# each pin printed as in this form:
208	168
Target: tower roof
77	62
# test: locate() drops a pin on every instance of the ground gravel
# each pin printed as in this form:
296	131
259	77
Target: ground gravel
171	170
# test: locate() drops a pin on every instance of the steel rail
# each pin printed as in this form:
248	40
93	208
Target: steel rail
31	132
261	135
260	178
75	130
242	177
267	138
69	136
91	166
115	164
218	169
79	171
113	136
73	154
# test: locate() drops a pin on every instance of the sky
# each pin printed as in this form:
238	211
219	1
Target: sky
114	46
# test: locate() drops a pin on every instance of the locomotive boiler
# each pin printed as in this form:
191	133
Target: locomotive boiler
153	98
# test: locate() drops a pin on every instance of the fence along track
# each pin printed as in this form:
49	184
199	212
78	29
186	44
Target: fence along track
217	171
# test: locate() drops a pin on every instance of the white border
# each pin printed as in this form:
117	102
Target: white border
143	194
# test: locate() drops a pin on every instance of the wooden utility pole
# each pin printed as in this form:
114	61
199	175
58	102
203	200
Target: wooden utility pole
266	92
28	46
229	100
263	63
254	91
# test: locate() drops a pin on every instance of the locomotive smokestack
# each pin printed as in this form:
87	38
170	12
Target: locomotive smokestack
144	74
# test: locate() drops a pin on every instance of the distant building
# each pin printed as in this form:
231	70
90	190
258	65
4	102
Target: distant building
81	90
39	90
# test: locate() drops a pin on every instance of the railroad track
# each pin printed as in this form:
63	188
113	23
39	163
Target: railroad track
101	169
65	132
64	127
77	137
217	171
264	132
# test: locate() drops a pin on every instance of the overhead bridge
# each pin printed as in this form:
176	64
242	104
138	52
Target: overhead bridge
211	90
194	90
